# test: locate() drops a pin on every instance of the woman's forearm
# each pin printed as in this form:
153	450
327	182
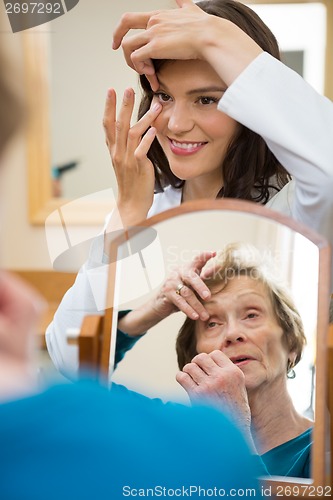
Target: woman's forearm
138	321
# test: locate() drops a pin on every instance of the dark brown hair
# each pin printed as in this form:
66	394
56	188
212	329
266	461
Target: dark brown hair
239	259
250	171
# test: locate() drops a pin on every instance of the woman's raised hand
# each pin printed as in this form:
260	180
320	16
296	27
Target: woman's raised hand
128	148
166	35
184	33
181	289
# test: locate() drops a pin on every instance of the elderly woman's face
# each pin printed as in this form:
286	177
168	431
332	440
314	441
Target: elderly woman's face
242	324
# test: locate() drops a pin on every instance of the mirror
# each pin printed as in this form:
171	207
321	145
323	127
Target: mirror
300	258
66	86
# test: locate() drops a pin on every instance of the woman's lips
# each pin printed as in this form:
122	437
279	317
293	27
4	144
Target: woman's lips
241	360
185	148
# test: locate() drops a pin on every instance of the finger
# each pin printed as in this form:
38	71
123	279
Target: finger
142	66
212	270
220	359
187	302
185	307
186	381
192	275
153	80
131	48
144	146
136	132
193	280
109	118
184	3
123	123
128	21
201	260
206	363
196	373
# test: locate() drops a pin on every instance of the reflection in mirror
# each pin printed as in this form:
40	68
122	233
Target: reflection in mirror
148	257
174	246
66	137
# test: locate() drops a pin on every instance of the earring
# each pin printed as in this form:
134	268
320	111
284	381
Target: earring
291	373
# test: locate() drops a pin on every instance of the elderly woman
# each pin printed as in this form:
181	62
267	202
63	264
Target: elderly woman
239	358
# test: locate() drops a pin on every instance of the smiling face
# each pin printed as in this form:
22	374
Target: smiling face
193	133
242	324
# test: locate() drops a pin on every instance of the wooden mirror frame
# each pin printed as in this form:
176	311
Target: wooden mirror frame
36	58
319	466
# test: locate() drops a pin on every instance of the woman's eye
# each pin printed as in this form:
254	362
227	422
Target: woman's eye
252	315
212	324
207	100
161	96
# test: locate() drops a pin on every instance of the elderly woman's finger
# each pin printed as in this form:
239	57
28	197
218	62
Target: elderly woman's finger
213	362
196	373
183	306
191	276
186	381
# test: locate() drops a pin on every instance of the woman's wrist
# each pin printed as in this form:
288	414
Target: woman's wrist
231	53
138	321
122	218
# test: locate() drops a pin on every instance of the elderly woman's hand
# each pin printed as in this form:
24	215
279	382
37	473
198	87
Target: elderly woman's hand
181	289
214	379
179	292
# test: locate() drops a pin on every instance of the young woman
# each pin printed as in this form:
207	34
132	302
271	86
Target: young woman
220	116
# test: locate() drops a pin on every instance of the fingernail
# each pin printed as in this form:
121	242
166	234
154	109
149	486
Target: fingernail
195	316
128	93
205	294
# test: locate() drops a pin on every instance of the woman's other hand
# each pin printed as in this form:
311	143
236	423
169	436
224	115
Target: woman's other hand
129	146
185	33
214	379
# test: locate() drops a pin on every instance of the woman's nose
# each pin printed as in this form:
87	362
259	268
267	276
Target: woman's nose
233	333
180	119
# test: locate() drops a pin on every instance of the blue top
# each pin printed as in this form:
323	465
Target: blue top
83	441
124	342
292	458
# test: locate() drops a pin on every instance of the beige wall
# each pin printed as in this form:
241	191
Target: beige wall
24	245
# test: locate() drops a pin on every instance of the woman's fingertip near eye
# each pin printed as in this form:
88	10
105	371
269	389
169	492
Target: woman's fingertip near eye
152	131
